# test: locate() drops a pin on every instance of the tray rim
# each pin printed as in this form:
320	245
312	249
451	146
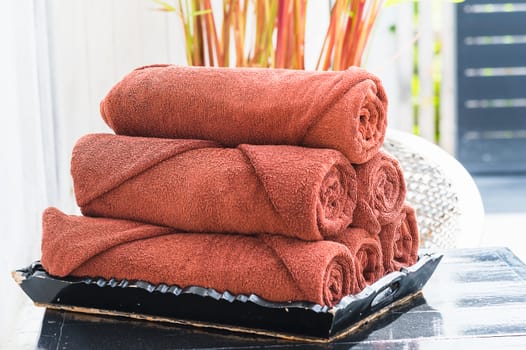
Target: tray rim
36	269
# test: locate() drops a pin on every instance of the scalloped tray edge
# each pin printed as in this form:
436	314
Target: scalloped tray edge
353	311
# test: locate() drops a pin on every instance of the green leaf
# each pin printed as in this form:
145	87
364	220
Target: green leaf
165	6
201	12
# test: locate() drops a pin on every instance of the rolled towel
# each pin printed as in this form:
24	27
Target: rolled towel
367	253
400	240
275	268
381	192
198	186
344	110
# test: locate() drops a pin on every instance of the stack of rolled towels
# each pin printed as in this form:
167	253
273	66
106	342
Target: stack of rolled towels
244	180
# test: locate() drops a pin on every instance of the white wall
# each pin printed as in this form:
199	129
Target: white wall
24	178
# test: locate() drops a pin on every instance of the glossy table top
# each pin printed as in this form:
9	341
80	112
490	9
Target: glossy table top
476	299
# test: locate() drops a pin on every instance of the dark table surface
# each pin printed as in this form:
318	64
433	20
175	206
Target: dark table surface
476	299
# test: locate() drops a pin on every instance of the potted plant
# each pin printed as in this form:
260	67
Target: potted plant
271	33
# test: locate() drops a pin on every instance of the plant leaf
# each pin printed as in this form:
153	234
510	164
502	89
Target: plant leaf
201	12
165	6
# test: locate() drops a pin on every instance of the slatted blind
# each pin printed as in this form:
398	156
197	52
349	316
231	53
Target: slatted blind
491	85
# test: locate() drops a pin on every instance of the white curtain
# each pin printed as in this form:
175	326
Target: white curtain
28	176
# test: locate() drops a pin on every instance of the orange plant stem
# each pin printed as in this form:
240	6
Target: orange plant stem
281	44
203	22
237	33
198	40
300	17
370	19
342	17
329	39
212	34
225	31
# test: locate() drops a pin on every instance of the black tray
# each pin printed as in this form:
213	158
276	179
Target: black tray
205	307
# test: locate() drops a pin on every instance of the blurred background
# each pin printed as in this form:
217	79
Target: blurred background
454	72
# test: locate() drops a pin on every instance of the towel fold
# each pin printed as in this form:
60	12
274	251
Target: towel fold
197	186
344	110
381	192
367	253
400	241
275	268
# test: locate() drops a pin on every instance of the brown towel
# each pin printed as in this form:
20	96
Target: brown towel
381	192
400	241
275	268
367	253
197	186
344	110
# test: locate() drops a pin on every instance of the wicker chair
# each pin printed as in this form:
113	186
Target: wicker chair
446	200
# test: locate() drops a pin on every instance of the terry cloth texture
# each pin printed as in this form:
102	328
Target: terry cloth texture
343	110
367	253
400	240
381	192
247	180
273	267
197	186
